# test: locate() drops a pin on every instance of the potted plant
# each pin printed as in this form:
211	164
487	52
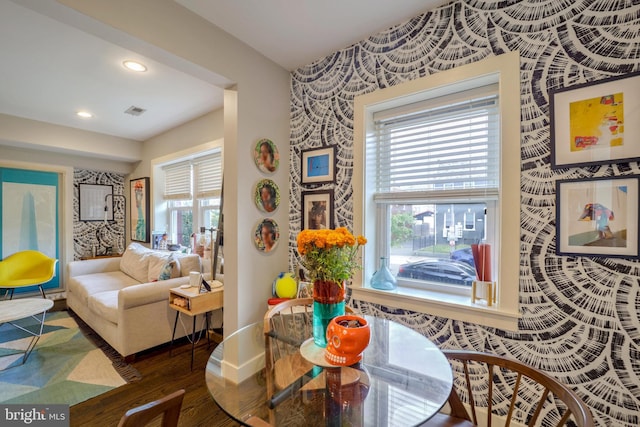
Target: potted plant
330	257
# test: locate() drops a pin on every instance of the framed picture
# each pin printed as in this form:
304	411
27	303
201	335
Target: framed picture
159	240
317	209
139	196
318	165
595	123
597	217
267	196
93	203
266	235
266	156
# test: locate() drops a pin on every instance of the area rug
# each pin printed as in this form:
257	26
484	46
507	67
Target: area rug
69	364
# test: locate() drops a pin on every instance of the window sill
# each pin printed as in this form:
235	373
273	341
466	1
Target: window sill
456	307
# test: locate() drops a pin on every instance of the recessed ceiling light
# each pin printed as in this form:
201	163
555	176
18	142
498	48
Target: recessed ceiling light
84	114
134	66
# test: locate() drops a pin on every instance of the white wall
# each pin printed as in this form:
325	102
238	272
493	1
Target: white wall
20	132
260	98
199	135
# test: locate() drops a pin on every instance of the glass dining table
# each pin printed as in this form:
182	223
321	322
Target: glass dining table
403	379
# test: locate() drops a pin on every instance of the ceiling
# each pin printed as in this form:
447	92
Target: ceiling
65	62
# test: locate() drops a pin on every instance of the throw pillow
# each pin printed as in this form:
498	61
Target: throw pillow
135	262
175	267
165	273
170	270
157	261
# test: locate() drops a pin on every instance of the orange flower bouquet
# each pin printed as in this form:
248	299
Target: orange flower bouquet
330	254
330	257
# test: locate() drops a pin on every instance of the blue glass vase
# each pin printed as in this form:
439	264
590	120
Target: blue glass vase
382	278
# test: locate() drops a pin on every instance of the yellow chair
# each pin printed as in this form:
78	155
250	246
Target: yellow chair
26	268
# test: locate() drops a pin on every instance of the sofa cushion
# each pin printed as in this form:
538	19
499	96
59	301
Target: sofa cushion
105	305
189	263
90	284
135	262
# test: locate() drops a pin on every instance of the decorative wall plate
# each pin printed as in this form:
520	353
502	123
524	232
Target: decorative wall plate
267	195
266	156
266	235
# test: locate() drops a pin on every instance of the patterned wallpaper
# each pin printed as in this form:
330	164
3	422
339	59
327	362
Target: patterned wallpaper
580	315
88	233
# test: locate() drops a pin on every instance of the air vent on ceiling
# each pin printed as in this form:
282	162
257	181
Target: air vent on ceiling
134	111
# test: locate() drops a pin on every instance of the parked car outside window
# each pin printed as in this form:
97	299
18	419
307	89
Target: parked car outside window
463	255
439	270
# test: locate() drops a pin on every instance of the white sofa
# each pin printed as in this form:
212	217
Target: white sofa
123	300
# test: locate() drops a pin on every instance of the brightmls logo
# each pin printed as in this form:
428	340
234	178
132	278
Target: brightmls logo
28	416
34	415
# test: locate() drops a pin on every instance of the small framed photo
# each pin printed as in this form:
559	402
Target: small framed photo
158	240
318	165
317	210
594	123
266	156
139	196
267	195
597	217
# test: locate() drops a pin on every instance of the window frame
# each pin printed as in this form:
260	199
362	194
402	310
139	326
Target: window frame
162	211
504	70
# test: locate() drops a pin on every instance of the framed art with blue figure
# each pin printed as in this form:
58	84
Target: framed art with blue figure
598	217
139	195
318	166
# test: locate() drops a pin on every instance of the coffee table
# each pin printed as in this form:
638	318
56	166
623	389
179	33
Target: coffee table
16	309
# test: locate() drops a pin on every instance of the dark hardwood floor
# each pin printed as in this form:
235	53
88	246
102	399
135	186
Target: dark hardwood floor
161	375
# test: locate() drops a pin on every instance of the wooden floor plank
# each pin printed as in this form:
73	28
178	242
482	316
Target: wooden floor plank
161	375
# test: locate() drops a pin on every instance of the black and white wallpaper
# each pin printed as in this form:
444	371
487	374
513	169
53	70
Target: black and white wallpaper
103	235
580	315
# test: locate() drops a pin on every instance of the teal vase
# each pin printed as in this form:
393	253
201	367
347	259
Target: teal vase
382	278
328	302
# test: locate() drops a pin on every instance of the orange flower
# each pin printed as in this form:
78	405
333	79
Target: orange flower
329	254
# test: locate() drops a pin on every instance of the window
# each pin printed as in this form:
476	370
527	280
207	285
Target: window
192	193
438	159
436	169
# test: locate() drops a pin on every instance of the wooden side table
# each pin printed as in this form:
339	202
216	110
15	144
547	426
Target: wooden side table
191	302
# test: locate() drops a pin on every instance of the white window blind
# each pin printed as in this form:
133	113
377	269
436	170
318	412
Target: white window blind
209	176
448	145
177	184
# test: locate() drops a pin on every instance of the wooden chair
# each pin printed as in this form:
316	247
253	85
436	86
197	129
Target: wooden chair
168	406
295	316
26	268
292	321
507	389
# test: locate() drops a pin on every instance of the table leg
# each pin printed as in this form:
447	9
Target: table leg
207	315
173	335
193	340
35	334
35	338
